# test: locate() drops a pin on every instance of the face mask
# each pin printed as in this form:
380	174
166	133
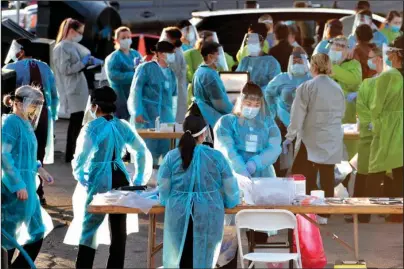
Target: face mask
395	28
125	43
371	64
254	50
94	113
298	69
170	58
77	38
250	112
335	56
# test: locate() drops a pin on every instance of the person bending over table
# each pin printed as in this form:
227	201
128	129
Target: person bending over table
195	183
98	168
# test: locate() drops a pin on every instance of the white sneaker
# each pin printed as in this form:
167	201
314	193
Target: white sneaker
321	220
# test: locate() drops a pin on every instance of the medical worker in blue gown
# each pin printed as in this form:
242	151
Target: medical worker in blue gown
31	71
120	69
262	68
22	217
280	92
249	137
209	91
153	94
196	184
98	168
365	17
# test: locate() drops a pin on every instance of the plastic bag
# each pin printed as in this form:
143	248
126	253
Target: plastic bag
273	191
311	243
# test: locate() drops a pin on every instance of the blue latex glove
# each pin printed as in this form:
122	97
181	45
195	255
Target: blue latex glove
251	167
86	59
97	61
370	126
285	145
137	61
351	97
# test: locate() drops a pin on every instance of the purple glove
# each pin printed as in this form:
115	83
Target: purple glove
251	167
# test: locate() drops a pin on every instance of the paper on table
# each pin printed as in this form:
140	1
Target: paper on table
350	128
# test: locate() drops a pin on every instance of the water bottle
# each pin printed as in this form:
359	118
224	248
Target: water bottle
157	124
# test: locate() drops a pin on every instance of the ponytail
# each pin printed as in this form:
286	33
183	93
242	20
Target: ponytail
193	125
7	100
187	145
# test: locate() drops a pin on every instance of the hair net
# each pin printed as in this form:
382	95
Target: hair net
222	58
361	19
191	34
306	64
12	52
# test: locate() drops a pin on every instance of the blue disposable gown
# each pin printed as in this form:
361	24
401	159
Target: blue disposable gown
242	140
210	94
280	93
201	192
50	94
378	38
262	69
120	69
92	168
322	47
152	95
25	220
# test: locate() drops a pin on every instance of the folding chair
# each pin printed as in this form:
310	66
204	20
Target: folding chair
267	220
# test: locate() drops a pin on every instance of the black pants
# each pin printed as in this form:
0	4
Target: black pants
41	134
117	226
188	252
20	262
277	164
73	131
302	165
374	180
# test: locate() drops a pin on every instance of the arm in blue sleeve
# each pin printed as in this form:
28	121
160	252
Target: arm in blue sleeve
224	142
275	69
230	187
135	104
164	180
11	176
219	97
272	152
84	147
140	156
115	74
54	95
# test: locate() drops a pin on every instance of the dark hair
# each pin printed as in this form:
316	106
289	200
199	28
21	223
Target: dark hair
390	16
183	23
164	46
26	46
366	12
65	26
364	33
175	34
192	125
258	28
281	31
362	5
295	30
250	88
300	4
105	98
209	48
336	28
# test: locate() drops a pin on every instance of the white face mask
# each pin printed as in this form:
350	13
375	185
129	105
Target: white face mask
170	58
125	43
250	112
298	69
77	38
335	56
254	50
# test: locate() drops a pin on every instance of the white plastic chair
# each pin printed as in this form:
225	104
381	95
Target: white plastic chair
267	220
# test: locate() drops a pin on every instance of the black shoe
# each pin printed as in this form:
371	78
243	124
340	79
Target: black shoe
43	201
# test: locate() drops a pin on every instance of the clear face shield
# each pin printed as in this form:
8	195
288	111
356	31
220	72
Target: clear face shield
359	20
298	64
222	58
387	64
14	49
32	109
191	34
250	106
253	44
338	50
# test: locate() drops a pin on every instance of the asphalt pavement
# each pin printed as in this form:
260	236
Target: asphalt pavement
381	244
